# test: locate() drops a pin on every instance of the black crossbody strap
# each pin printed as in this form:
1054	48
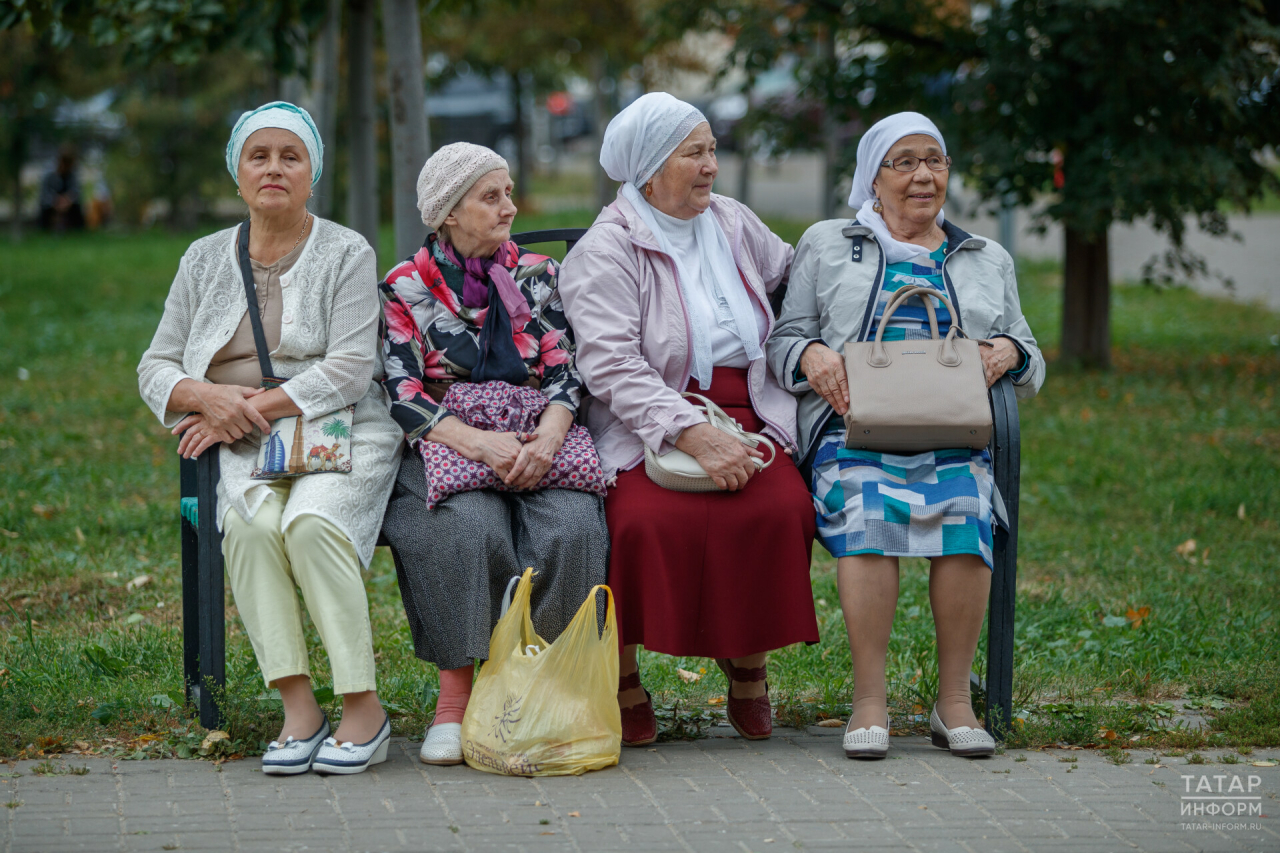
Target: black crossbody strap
251	295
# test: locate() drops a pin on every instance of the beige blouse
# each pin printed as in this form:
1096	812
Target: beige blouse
237	362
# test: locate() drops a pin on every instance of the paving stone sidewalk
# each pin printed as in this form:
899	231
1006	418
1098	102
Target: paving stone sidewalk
795	791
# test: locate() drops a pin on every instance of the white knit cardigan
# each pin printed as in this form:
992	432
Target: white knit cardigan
328	352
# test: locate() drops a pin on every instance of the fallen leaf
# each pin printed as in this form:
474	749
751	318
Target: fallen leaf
209	743
716	700
1186	549
575	814
1264	763
43	511
688	677
546	833
1135	617
1107	734
830	724
138	582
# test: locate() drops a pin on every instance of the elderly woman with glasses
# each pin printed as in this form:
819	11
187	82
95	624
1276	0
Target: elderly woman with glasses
874	508
315	287
670	291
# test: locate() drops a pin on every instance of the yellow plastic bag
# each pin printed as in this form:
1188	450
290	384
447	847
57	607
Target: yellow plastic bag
546	709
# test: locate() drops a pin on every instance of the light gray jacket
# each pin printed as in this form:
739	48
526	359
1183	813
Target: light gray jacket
837	273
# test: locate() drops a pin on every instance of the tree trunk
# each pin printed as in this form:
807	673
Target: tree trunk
1086	300
827	192
324	103
605	189
362	177
522	148
410	142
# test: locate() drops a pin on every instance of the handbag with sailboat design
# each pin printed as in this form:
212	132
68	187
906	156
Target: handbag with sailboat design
297	445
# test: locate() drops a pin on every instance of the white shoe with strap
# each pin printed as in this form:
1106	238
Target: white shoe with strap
346	758
294	756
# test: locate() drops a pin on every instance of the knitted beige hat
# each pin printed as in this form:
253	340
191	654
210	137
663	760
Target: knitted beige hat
448	174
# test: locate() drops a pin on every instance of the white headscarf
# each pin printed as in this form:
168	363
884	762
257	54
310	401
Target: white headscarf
285	116
636	143
873	147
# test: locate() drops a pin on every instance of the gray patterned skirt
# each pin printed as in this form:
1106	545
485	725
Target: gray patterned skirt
454	562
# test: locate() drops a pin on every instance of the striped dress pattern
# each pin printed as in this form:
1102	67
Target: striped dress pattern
930	504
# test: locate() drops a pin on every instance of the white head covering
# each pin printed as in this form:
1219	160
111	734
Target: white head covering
872	148
636	143
286	116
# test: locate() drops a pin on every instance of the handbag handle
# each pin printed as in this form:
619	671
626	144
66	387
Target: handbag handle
948	355
719	419
255	318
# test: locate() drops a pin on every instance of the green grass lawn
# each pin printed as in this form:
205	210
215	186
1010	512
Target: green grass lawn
1180	442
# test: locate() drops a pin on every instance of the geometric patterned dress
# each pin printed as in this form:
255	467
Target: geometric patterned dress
926	504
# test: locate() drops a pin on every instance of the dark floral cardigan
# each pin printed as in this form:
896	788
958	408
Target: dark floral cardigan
428	335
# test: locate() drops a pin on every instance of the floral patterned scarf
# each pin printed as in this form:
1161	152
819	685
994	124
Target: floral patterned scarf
496	306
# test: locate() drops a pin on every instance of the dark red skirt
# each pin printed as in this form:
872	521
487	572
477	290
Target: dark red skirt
714	574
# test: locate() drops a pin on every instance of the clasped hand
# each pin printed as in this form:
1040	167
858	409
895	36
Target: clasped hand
728	462
225	414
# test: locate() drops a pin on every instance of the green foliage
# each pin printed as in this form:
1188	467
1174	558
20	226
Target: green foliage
178	31
1153	108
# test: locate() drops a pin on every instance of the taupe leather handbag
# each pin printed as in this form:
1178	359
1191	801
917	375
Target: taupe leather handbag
680	472
912	396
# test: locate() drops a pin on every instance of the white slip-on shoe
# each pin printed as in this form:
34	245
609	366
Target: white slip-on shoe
294	756
962	740
870	742
347	757
442	744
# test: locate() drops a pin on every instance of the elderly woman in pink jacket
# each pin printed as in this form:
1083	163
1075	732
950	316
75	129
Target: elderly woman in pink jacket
670	292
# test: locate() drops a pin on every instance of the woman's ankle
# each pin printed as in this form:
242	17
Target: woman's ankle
867	712
455	694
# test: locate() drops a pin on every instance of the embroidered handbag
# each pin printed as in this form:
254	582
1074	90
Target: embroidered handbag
297	445
916	395
503	407
680	472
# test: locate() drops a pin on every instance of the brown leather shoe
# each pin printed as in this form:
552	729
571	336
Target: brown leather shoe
751	718
639	725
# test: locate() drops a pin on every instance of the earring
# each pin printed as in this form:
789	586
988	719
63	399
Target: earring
648	190
878	207
237	192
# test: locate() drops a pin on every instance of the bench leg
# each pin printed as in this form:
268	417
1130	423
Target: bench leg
211	601
1000	635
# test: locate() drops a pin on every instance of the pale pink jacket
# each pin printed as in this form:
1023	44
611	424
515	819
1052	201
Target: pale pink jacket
623	301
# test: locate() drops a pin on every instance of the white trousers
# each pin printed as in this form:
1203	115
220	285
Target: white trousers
264	565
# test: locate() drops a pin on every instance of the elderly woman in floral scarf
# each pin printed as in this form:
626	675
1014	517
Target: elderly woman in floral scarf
473	334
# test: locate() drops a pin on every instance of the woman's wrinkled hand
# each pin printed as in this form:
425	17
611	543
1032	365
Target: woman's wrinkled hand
226	410
498	450
198	436
534	460
999	358
824	369
728	462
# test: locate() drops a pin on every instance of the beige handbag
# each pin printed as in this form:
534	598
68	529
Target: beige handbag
680	472
912	396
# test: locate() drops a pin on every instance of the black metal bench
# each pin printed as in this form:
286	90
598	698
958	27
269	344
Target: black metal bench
203	597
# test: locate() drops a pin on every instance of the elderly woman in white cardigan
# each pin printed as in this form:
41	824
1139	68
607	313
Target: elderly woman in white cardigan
316	288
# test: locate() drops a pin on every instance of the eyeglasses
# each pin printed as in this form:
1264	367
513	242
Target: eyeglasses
938	163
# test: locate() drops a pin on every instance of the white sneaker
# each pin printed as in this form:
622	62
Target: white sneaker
963	740
347	757
870	742
294	756
442	744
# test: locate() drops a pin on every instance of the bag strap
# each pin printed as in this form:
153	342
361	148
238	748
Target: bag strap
251	295
900	298
720	419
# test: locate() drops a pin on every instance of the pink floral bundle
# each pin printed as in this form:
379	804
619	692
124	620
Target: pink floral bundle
502	407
